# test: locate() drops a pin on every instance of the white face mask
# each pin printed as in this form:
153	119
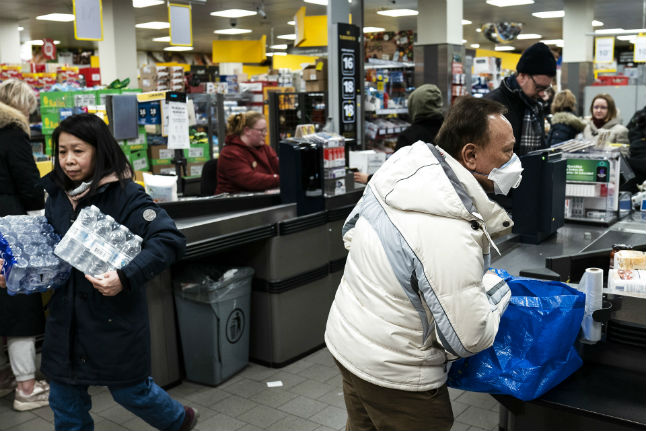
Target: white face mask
506	177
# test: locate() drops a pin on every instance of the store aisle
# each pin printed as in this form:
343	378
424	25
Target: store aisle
310	399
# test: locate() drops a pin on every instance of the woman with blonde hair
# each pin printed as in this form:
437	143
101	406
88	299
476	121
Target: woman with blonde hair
565	124
605	121
246	164
21	316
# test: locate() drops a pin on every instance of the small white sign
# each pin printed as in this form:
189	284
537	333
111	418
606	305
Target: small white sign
178	137
604	48
640	49
276	384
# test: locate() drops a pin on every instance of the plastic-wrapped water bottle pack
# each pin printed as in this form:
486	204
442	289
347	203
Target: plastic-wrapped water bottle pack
27	248
96	243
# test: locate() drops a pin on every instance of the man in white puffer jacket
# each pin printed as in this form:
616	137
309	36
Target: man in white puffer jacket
414	294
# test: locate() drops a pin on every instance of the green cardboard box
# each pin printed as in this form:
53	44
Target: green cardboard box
139	160
138	144
56	99
50	118
100	94
197	153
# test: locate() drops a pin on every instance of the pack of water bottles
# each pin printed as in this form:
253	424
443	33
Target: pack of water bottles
96	243
27	249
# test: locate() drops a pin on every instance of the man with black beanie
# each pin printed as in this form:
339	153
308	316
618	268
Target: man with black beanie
522	94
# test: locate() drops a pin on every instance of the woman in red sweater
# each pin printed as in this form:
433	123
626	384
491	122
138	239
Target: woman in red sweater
246	164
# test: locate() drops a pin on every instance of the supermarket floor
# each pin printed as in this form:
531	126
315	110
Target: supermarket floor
310	399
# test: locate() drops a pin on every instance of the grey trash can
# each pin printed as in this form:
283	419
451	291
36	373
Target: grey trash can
213	311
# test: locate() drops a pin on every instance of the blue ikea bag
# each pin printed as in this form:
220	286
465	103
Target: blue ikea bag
534	348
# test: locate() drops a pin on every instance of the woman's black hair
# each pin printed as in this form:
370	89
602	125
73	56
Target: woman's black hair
108	156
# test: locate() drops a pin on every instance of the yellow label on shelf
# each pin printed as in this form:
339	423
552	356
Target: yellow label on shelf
151	96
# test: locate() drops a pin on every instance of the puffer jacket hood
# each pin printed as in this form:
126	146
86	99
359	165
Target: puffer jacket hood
569	119
425	102
12	116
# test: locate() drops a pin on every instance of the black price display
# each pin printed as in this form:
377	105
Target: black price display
348	88
349	111
347	63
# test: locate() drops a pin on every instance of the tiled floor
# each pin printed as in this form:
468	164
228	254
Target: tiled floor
310	399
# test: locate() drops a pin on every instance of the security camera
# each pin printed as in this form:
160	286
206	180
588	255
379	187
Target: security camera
261	12
234	22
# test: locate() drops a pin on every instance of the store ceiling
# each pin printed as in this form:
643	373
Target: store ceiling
625	14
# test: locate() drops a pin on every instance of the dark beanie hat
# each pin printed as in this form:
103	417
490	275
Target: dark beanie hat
537	60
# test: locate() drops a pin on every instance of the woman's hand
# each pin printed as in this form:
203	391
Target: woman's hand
3	282
107	284
360	177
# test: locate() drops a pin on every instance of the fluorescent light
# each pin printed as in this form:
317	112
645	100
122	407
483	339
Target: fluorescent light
529	36
557	42
466	22
630	38
505	3
292	22
234	13
475	45
290	36
398	12
321	2
161	39
153	25
373	29
178	48
277	53
504	48
146	3
20	28
549	14
620	31
478	29
62	17
232	31
279	46
596	23
40	42
464	41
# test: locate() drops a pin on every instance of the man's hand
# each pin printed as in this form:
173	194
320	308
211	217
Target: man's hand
107	284
360	177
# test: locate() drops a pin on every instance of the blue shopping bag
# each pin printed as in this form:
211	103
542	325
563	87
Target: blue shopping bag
534	348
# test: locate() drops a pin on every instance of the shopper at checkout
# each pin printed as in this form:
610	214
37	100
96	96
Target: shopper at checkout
565	124
415	293
21	316
604	124
246	164
425	112
97	331
522	94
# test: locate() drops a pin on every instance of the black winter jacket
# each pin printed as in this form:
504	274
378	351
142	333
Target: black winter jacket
20	315
565	126
423	130
91	339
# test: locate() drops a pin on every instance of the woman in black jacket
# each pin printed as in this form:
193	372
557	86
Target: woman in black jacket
565	125
21	316
97	331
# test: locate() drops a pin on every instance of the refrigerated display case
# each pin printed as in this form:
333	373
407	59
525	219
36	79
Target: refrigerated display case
288	110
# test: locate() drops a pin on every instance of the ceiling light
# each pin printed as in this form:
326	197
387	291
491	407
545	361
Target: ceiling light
291	36
279	46
153	25
321	2
178	48
20	28
234	13
373	29
277	53
505	3
504	48
466	22
549	14
146	3
475	45
232	31
464	41
630	38
161	39
529	36
398	12
596	23
557	42
609	30
292	22
478	30
39	42
62	17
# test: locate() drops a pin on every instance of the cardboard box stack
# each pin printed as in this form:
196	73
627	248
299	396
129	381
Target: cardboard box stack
315	76
176	78
154	78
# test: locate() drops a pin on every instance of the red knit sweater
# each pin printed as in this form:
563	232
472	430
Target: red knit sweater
242	168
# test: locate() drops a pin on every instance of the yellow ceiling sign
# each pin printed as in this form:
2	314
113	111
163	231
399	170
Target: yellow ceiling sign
310	30
292	62
299	25
239	51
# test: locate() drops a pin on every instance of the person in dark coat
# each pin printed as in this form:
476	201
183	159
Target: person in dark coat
246	164
522	94
97	331
21	316
637	141
425	111
565	125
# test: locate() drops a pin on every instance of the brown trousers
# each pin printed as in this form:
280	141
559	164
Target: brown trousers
372	407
